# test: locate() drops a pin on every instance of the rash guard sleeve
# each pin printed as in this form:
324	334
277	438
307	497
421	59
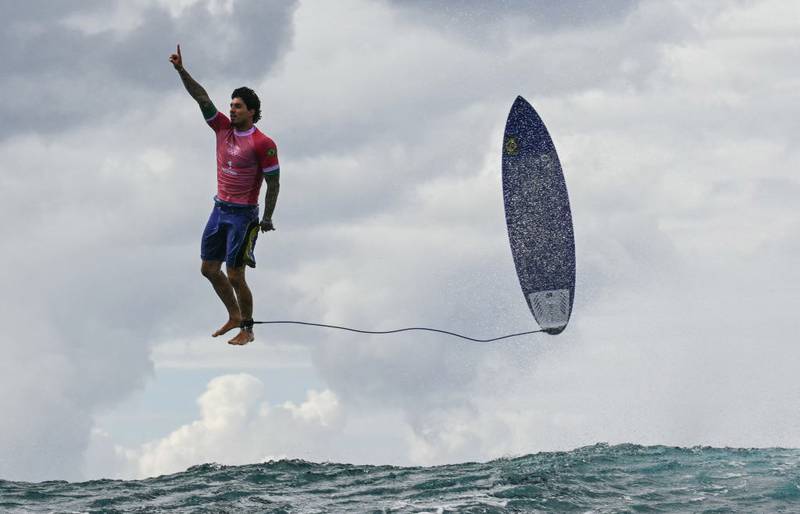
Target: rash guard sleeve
267	156
218	121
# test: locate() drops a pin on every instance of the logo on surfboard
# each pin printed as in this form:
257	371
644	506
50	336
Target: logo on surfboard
511	147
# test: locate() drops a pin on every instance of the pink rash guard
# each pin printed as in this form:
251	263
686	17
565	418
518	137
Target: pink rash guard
243	158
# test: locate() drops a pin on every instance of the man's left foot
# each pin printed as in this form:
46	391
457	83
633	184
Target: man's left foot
242	338
228	326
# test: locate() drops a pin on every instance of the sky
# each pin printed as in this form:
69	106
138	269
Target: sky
674	122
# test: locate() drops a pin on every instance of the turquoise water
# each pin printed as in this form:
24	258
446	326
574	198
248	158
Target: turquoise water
600	478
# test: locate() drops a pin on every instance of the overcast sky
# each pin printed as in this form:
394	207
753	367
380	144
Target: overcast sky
675	122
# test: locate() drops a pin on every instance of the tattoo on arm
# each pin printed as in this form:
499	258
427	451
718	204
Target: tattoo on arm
273	188
196	91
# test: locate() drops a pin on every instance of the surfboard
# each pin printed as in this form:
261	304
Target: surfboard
538	218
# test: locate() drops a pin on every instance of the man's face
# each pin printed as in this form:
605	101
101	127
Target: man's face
240	115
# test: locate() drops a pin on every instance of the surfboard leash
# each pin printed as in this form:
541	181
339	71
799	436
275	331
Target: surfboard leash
395	331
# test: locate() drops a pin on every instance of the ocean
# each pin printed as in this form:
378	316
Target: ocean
593	479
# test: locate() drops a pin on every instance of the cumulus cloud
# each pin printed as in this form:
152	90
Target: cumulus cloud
85	64
236	426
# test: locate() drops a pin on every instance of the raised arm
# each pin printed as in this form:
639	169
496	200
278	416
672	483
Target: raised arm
195	90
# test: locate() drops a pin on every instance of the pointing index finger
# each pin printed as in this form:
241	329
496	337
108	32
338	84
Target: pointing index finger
179	51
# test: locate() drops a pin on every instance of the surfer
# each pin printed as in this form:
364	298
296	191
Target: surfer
244	156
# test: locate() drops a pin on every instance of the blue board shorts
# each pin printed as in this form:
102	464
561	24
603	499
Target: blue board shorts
230	235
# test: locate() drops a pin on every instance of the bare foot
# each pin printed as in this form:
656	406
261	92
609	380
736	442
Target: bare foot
228	326
243	337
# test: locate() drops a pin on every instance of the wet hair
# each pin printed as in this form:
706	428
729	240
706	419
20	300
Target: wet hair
250	99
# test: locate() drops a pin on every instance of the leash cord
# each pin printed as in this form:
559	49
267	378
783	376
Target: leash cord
407	329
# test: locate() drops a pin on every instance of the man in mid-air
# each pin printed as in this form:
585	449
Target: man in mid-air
244	156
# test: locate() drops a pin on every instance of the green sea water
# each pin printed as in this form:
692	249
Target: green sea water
594	479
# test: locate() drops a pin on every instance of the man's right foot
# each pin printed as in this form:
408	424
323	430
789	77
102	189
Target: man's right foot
243	337
227	327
